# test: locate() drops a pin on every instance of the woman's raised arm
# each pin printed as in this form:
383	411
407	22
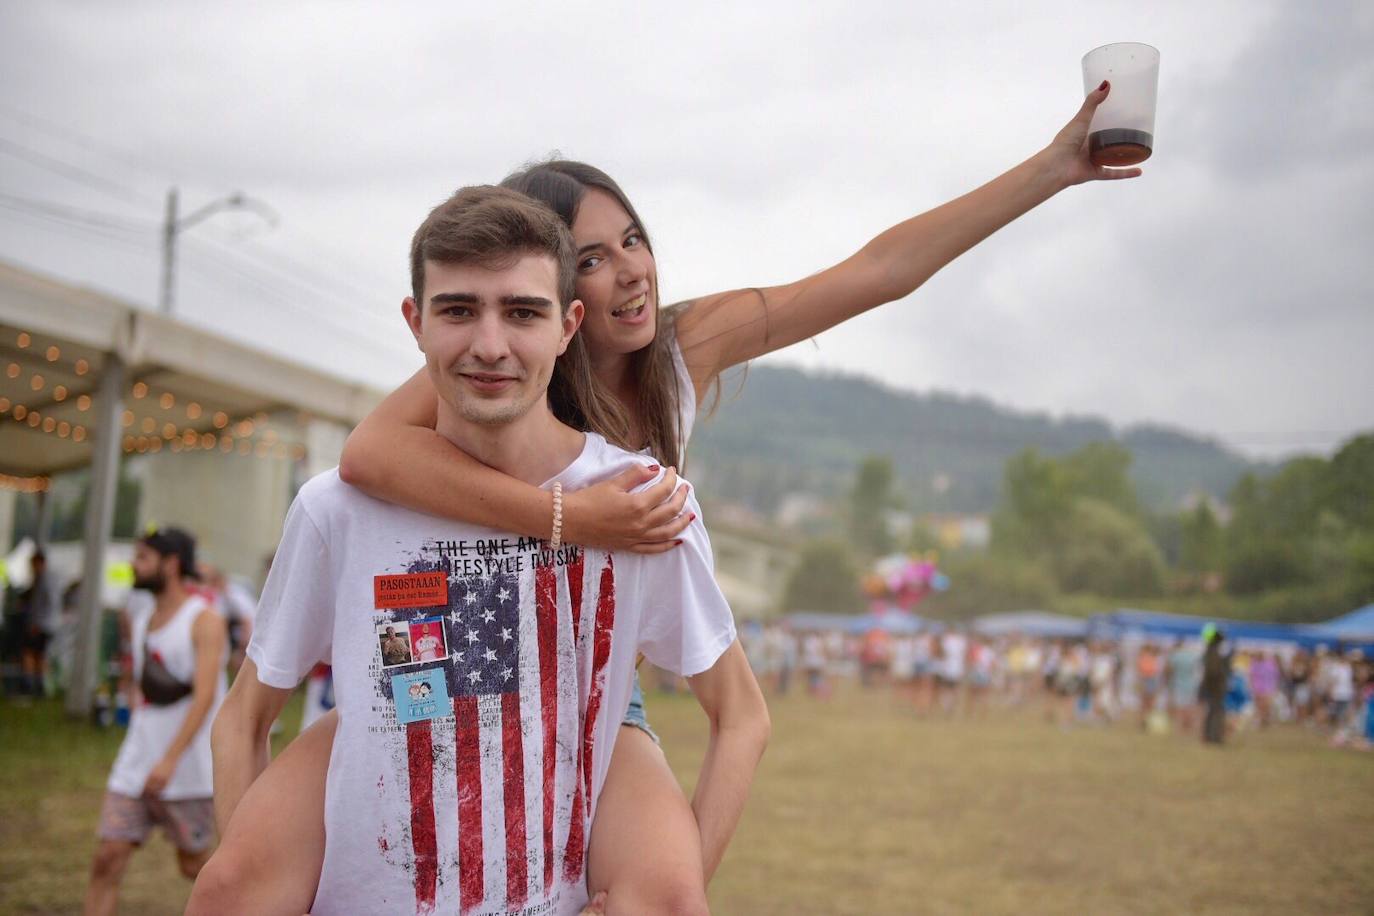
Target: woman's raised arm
396	455
725	329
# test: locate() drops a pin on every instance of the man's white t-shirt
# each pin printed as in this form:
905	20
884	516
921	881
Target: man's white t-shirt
468	784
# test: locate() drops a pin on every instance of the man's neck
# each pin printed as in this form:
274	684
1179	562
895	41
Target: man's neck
172	596
532	448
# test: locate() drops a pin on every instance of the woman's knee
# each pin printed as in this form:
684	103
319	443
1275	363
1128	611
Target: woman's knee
658	894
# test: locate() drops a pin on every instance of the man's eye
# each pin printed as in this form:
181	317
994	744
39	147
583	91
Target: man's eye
524	314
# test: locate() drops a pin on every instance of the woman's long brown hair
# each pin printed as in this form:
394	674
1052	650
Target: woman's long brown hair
578	399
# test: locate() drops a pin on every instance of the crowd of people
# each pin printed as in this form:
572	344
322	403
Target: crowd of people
1161	685
39	625
183	629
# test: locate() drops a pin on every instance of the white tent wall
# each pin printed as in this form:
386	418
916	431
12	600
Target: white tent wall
324	442
233	505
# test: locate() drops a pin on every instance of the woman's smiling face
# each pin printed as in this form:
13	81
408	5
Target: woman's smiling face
616	277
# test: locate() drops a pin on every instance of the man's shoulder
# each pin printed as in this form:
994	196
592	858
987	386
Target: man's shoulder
326	495
604	461
198	606
322	489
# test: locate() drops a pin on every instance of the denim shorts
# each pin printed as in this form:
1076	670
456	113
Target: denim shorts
634	716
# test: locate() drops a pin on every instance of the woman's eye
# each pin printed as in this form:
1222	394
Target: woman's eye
634	238
589	263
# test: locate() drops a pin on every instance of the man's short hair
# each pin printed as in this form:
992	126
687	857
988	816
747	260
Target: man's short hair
491	226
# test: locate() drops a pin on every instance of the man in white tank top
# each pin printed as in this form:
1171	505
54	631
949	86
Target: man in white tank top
162	774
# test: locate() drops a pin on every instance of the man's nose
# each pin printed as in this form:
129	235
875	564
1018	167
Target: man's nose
490	343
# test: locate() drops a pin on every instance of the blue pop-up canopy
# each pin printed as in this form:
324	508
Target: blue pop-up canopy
1357	626
1032	623
1115	624
892	620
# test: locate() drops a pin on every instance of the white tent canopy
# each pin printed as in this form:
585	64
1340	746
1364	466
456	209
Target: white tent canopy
84	377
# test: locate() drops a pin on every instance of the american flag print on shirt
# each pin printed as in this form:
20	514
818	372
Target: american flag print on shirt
526	669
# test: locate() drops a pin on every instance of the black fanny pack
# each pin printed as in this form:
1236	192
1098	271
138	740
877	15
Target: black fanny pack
160	686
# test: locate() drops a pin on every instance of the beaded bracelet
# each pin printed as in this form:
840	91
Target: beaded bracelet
557	539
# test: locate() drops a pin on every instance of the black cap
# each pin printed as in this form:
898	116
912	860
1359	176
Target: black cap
173	542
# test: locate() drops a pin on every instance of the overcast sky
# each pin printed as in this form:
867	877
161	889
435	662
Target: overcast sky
1229	291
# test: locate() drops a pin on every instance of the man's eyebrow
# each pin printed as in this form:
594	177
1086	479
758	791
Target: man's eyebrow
538	302
469	298
586	248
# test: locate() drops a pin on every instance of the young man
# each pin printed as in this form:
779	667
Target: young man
476	794
162	773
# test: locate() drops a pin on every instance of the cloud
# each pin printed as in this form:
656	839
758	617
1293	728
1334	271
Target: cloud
1227	291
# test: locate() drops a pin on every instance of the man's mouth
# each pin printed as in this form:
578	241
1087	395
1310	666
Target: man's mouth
488	381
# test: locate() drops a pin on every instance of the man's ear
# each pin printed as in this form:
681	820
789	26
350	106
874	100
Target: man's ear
572	320
412	311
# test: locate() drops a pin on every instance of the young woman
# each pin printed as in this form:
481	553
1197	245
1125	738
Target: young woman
656	367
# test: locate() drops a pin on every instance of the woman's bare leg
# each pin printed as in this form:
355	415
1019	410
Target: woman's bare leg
645	849
269	858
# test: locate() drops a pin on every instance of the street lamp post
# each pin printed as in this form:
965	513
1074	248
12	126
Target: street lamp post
172	226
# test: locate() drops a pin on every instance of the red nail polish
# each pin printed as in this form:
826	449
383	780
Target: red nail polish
693	518
1103	86
677	543
654	468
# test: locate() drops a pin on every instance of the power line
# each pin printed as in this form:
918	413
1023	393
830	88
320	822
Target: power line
278	275
77	214
288	273
86	141
121	236
279	260
226	268
73	172
291	268
219	266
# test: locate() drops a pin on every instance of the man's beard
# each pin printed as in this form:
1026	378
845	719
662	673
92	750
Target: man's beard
156	583
487	415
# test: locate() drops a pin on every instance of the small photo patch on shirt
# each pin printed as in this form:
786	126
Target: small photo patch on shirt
421	695
427	642
394	639
427	589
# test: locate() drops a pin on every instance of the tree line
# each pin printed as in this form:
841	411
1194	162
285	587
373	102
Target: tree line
1071	533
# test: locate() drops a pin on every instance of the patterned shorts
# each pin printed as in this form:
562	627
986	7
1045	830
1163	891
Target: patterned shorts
189	823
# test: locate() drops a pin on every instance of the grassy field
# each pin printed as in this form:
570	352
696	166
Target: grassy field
862	808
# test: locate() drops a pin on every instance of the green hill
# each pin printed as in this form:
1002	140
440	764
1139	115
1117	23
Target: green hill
785	431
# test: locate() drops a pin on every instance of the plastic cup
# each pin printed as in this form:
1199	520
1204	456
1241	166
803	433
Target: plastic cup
1122	132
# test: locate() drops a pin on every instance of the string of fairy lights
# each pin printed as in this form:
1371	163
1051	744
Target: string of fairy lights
243	435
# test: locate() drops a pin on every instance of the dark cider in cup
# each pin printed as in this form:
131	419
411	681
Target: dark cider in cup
1119	146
